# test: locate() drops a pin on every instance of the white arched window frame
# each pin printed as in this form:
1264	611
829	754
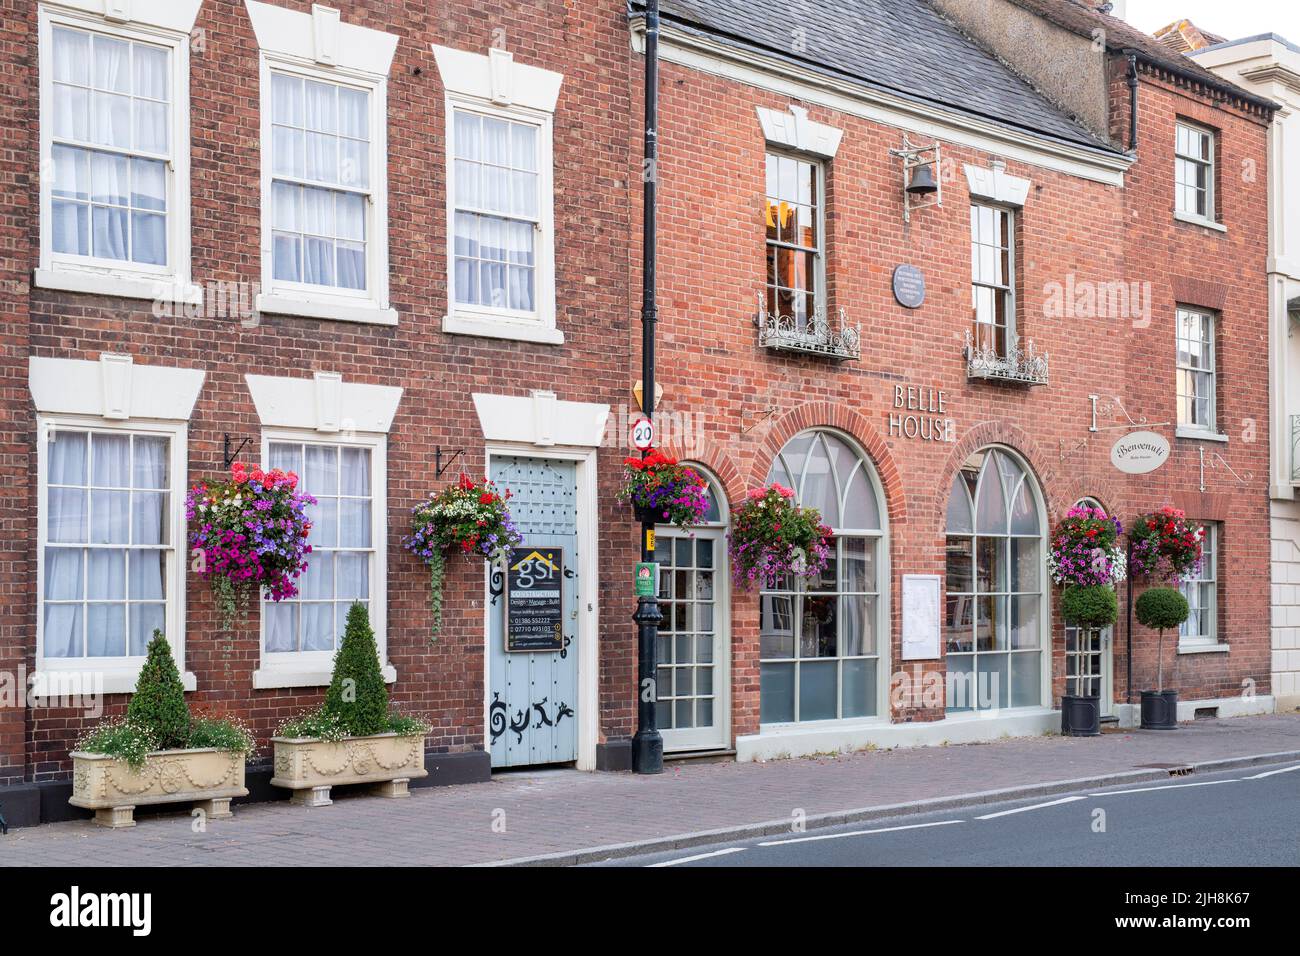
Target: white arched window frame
824	643
693	683
996	597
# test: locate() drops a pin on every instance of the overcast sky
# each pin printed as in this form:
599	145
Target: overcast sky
1233	19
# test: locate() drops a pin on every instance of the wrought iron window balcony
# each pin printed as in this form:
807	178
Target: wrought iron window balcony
1295	449
1022	366
813	334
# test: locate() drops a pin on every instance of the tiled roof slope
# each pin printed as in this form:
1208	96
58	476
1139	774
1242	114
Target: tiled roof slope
1082	18
903	46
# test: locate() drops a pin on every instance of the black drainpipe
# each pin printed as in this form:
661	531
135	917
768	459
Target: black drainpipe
1132	101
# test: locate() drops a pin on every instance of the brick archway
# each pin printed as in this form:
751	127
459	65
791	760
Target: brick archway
837	416
1040	464
720	465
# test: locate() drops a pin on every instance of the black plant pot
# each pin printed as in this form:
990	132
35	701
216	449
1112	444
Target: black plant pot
644	515
1081	716
1160	710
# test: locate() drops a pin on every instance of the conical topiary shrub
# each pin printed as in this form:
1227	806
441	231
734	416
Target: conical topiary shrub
158	704
1161	608
357	695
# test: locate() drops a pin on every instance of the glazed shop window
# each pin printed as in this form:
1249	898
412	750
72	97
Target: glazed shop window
793	218
822	641
1201	590
321	184
340	569
993	297
108	561
108	99
1195	363
994	615
1194	171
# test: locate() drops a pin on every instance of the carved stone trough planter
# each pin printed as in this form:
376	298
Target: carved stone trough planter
309	766
207	778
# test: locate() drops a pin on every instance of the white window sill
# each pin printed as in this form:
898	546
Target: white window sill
334	310
1199	434
56	682
287	675
1203	648
1198	221
119	286
502	328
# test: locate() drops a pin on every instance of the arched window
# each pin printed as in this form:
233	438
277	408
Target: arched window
823	641
694	641
995	599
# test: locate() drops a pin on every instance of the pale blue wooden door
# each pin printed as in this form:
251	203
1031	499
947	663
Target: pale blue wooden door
532	695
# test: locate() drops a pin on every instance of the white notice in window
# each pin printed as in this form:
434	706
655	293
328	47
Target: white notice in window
920	617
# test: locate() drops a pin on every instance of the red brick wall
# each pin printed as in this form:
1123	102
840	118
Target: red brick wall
438	371
17	181
712	264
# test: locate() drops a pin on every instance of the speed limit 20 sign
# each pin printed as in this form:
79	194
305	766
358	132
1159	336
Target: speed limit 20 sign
643	434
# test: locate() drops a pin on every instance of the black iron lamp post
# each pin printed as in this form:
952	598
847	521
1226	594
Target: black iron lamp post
648	744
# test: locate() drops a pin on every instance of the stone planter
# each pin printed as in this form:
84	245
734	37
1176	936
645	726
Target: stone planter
309	766
207	778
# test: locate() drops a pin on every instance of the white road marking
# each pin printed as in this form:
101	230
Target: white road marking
837	836
1172	786
1269	773
699	856
1037	806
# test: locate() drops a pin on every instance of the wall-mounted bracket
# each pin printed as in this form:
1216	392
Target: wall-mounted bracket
438	466
227	455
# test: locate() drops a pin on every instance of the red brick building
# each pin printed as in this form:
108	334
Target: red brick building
276	282
1074	290
391	243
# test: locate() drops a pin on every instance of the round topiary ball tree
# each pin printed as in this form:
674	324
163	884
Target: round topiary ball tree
1089	606
1161	608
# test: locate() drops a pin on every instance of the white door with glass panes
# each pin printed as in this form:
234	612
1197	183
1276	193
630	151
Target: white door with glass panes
824	641
694	643
1089	654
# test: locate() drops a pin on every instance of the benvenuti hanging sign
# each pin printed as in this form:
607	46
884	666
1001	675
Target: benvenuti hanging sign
535	600
919	413
1138	453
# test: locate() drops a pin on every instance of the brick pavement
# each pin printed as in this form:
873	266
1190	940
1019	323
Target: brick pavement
553	811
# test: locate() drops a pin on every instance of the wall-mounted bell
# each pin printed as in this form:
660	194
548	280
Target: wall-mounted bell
922	182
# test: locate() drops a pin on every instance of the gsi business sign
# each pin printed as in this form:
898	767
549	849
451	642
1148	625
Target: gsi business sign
1138	453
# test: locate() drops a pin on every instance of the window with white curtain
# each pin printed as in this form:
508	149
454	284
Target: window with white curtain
108	558
347	522
321	182
115	168
1201	588
496	185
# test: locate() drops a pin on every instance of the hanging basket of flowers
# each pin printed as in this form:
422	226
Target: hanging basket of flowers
1086	559
663	491
1164	547
470	517
250	532
772	537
